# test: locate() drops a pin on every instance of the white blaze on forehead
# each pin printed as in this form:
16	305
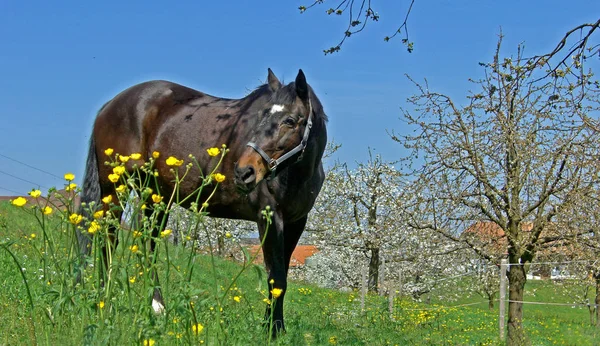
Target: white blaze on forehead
277	108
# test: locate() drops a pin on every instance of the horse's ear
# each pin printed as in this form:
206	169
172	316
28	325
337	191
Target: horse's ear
301	86
274	83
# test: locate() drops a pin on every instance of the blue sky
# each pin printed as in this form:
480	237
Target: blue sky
60	61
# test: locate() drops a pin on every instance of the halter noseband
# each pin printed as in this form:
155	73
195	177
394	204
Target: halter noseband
272	163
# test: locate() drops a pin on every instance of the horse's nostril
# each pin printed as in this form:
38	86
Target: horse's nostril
245	174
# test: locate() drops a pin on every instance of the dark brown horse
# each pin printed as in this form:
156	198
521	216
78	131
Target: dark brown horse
276	136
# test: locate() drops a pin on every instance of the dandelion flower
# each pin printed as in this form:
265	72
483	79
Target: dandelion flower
197	328
19	201
276	292
108	151
165	233
123	158
155	154
122	188
94	227
134	248
47	210
219	178
113	177
156	198
136	156
75	218
119	170
107	199
35	193
71	187
213	151
173	161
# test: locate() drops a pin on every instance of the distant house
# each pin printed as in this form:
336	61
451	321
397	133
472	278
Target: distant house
299	256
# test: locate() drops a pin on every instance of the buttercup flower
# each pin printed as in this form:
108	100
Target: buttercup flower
137	234
149	342
98	214
113	177
69	177
47	210
123	158
237	299
173	161
156	198
134	248
94	227
101	304
213	151
32	235
119	170
35	193
19	201
108	151
227	235
107	199
132	279
272	281
122	188
276	292
136	156
165	233
219	178
71	187
155	154
75	218
197	328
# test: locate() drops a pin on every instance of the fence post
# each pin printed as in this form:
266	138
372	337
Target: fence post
363	290
382	283
502	305
391	296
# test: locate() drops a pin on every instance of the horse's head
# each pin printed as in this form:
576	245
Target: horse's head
281	134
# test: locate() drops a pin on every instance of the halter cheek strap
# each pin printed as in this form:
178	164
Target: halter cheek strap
272	163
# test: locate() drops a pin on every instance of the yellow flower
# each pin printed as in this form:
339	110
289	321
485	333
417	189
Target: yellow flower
98	214
155	154
108	151
227	235
69	177
165	233
272	281
123	158
266	300
122	188
119	170
173	161
19	201
71	187
144	206
113	177
35	193
134	248
107	199
132	279
94	227
137	234
197	328
101	304
333	340
237	299
149	342
136	156
32	235
276	292
156	198
47	210
75	218
219	177
213	151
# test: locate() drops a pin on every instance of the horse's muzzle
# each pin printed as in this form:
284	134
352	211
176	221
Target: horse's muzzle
245	177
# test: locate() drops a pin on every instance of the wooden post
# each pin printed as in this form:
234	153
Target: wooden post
364	283
391	296
382	284
502	305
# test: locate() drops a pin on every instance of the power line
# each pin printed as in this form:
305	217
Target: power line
9	190
25	180
30	166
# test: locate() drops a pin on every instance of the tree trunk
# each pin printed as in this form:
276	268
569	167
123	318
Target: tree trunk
374	269
516	287
220	246
491	301
597	277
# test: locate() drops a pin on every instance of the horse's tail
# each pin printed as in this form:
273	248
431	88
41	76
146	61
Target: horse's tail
90	193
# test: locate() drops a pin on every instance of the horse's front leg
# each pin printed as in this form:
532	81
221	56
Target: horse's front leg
274	256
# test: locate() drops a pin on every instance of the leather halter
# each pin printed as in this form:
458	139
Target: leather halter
272	163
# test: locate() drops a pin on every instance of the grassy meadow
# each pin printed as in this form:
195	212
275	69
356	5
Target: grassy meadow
214	301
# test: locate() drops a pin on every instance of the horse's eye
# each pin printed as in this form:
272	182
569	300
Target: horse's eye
289	122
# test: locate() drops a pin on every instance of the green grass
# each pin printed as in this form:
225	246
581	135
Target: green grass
314	316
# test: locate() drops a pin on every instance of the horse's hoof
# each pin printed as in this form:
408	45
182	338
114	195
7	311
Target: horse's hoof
158	307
